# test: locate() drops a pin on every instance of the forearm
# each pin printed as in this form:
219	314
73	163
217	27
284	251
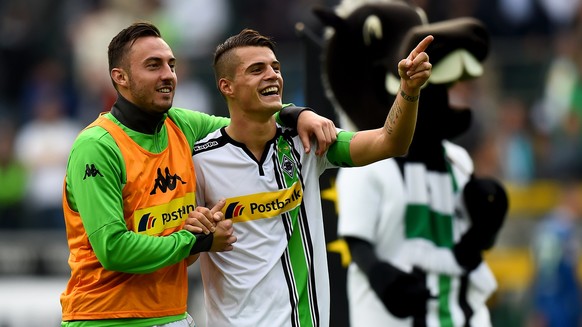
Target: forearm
121	250
401	121
428	257
391	140
362	253
396	135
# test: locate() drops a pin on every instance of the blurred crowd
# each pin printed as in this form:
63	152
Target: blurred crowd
54	81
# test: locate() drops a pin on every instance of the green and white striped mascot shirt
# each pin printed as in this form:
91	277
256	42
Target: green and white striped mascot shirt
413	217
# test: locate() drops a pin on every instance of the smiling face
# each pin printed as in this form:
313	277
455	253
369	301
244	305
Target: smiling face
256	85
147	77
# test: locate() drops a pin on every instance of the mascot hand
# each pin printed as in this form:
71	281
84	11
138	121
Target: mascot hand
415	70
487	204
403	294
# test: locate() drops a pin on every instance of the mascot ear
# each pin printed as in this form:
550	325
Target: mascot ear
329	18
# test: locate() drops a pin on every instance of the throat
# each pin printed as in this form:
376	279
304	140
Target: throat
256	139
257	151
136	118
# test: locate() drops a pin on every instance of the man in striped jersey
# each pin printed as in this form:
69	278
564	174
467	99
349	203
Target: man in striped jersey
277	273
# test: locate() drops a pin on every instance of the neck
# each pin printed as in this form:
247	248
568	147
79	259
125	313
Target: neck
252	133
135	117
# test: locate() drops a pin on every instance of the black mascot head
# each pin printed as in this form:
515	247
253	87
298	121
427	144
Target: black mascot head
363	47
365	40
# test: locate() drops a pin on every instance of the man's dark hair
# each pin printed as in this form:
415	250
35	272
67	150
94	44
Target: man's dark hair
122	42
223	56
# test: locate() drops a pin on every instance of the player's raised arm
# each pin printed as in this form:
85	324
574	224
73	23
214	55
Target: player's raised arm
394	138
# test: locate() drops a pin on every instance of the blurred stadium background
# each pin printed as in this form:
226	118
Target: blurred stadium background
54	80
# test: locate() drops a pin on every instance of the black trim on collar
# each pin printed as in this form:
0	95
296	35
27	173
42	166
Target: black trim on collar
136	118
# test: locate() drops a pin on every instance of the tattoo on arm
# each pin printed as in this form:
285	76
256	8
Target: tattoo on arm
392	118
409	98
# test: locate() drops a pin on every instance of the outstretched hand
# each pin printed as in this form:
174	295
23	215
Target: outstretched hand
415	70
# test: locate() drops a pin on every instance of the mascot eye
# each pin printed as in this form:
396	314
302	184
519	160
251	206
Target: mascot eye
372	29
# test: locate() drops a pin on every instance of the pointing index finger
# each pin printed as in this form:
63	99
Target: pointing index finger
421	47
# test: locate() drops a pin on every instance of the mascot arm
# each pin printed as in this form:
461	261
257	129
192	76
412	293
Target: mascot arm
403	294
486	203
425	255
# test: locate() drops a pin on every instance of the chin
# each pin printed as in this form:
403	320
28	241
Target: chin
274	105
163	108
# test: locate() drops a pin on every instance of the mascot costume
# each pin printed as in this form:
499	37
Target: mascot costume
416	226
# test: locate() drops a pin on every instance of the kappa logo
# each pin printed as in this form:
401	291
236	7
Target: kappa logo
234	210
91	171
288	166
165	182
205	146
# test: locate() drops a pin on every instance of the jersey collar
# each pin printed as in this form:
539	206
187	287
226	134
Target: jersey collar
136	118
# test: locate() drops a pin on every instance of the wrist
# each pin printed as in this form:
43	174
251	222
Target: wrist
410	97
203	243
290	115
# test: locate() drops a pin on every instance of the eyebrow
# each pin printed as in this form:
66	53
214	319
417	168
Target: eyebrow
153	58
262	63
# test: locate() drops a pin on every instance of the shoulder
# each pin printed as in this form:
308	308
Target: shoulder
384	174
194	124
94	142
180	115
458	156
213	141
93	135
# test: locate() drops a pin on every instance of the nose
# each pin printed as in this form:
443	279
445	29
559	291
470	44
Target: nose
168	72
271	73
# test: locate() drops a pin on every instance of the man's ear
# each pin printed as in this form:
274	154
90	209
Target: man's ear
225	87
119	76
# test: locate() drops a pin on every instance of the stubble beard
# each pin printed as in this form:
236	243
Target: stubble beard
147	100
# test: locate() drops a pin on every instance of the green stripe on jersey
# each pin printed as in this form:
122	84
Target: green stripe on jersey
422	222
445	317
296	247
